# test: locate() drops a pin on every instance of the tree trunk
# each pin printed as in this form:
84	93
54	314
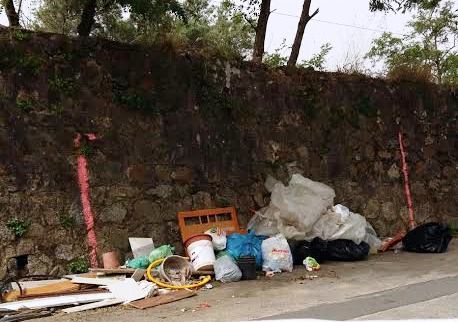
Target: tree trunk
303	21
87	18
11	13
261	28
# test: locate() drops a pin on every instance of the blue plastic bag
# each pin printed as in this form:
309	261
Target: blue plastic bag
245	245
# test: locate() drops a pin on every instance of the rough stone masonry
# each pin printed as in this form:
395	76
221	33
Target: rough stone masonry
180	131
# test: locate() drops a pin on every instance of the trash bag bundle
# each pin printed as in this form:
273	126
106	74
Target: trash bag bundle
304	210
226	270
245	245
428	238
276	255
337	250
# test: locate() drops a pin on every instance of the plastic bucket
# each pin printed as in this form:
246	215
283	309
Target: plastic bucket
175	263
110	260
200	251
247	265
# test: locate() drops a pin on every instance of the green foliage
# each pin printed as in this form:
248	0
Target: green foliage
66	221
56	109
133	101
17	226
196	24
78	266
317	61
430	46
19	34
276	59
29	64
401	5
12	57
62	85
24	103
86	150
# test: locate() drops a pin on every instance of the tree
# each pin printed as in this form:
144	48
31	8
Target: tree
430	46
276	59
87	18
261	29
404	5
11	13
95	12
303	21
317	61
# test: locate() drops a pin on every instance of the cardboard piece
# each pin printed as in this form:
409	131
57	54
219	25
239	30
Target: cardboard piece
162	299
141	246
57	287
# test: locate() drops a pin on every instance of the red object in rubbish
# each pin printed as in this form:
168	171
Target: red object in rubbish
204	305
83	181
405	171
387	244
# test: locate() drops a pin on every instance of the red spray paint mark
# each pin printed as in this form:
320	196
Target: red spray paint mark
83	181
405	171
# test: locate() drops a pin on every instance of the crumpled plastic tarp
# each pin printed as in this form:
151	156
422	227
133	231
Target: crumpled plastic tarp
304	210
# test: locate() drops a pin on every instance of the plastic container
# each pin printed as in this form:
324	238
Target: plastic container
247	265
175	263
200	250
110	260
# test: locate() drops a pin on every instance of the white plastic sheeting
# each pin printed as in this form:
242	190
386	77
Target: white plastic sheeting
304	210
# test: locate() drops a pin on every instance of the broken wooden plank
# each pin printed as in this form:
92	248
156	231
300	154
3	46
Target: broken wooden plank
91	306
112	271
138	274
33	284
56	301
27	315
58	287
162	299
84	291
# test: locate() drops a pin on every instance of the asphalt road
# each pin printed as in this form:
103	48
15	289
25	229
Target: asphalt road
432	299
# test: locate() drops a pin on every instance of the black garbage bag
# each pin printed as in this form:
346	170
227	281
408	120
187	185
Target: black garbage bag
346	250
428	238
302	249
322	250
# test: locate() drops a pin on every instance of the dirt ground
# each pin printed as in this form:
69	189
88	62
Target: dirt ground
290	292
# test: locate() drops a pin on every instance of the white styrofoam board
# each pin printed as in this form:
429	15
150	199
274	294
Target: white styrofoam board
56	301
141	246
91	306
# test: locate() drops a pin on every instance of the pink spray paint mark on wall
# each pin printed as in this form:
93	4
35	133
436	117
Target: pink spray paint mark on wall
405	171
83	181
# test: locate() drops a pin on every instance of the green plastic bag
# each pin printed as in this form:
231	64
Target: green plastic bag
161	252
141	262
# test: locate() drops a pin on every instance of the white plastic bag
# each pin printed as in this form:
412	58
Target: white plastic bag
226	270
218	238
372	239
263	222
340	223
276	255
300	204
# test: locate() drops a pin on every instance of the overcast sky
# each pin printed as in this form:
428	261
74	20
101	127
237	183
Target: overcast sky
327	26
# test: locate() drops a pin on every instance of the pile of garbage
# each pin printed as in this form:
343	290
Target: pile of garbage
301	226
144	282
303	212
